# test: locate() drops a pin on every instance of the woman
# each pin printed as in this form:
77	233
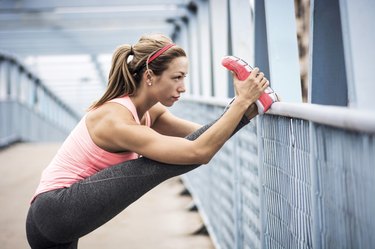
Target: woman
80	190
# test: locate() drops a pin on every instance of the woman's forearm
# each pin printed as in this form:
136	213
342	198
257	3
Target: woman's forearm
244	121
214	138
250	113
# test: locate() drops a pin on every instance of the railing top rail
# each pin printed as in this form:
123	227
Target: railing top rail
341	117
13	59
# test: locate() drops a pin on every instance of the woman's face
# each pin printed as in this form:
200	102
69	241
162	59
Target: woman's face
171	83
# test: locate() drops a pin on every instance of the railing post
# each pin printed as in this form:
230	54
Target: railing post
327	74
205	52
8	75
358	37
238	195
261	60
241	20
219	26
283	49
194	71
260	39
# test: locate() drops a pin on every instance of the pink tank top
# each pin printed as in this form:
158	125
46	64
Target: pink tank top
79	157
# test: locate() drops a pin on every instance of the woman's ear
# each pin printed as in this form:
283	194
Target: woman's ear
147	76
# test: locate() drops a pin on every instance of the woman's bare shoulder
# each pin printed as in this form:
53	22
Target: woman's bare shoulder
103	124
109	112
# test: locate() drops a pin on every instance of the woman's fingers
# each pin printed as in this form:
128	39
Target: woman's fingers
255	72
253	86
265	86
264	83
264	80
260	76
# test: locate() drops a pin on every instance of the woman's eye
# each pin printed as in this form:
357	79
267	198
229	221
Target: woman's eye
178	78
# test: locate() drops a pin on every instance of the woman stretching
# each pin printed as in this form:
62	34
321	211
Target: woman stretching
98	171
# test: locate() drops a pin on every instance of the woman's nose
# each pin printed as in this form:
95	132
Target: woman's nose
181	89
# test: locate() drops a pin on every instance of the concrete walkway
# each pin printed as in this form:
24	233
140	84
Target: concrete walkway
158	220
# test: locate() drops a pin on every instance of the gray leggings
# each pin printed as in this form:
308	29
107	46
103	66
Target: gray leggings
58	218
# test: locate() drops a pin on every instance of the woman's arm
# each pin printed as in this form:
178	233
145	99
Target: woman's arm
117	131
164	122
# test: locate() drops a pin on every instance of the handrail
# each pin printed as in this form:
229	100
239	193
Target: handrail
13	59
30	111
340	117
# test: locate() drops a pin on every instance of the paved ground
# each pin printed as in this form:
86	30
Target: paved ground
158	220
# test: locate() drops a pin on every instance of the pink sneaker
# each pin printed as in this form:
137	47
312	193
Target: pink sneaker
243	70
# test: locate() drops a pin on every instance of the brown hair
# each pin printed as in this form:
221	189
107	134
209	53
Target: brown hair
126	73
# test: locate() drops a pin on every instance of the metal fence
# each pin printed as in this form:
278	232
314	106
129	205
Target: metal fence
29	111
287	182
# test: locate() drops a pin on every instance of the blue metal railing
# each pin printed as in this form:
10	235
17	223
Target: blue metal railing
29	111
288	180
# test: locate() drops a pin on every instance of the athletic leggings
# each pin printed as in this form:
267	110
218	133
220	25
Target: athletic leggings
58	218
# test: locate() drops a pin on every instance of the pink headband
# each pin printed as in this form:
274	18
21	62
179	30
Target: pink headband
158	53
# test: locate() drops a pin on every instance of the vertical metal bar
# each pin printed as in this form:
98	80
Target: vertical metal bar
204	48
242	33
17	117
327	74
260	38
8	75
357	18
211	69
182	39
35	99
17	83
312	98
238	194
194	51
230	50
261	61
261	188
2	78
283	49
219	25
2	104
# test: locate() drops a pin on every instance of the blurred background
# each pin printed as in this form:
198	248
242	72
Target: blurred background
68	44
300	176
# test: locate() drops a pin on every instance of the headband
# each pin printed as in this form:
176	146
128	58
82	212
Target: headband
159	52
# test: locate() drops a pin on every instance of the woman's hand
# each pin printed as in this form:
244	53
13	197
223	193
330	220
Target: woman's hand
251	88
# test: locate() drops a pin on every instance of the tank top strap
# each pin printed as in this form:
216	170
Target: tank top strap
128	103
148	119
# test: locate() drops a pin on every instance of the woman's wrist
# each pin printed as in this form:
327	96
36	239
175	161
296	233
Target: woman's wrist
249	114
244	102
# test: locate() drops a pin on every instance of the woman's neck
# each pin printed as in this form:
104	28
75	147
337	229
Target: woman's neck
142	103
